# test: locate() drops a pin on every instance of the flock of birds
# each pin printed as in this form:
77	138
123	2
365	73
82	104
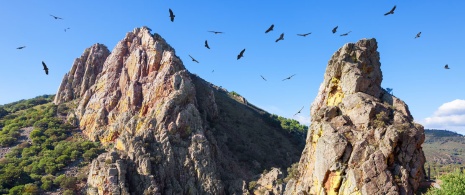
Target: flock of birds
43	63
241	53
281	37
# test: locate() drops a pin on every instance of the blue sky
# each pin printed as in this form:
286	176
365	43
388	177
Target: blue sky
412	67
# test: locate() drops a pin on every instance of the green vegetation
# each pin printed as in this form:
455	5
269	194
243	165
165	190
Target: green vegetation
444	152
31	167
24	104
452	183
234	93
291	125
380	120
292	172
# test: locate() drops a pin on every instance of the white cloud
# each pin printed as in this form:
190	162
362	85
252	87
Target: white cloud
450	116
456	107
304	120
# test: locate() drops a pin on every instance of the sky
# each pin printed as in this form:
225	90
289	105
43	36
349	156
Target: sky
414	68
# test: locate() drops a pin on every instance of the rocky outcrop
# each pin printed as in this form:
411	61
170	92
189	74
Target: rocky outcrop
169	131
362	140
83	73
270	183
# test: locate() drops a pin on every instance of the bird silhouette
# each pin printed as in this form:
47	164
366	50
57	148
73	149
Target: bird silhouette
299	111
334	29
216	32
345	34
263	77
281	37
418	35
56	17
446	66
206	44
45	67
270	29
304	35
22	47
241	54
193	59
67	29
172	15
288	78
391	12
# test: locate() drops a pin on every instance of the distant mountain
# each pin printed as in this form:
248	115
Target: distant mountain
444	147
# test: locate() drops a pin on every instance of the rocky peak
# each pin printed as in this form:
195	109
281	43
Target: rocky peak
362	140
83	73
169	131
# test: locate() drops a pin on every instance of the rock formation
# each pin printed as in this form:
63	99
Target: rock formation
362	140
169	131
82	74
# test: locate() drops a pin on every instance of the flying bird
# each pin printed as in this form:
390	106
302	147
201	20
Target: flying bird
288	78
263	77
304	35
334	29
270	29
206	44
345	34
216	32
281	37
193	59
418	35
45	67
67	29
299	111
22	47
241	54
391	12
172	15
446	66
56	17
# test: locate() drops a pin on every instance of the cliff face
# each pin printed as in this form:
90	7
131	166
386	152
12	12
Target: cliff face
83	73
170	132
362	140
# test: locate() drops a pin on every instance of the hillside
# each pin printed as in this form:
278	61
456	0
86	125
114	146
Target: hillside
444	151
40	152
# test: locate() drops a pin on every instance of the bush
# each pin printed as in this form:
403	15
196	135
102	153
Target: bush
292	172
68	192
17	190
381	119
452	183
252	185
30	189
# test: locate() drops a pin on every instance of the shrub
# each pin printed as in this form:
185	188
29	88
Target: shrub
452	183
31	189
380	120
17	190
252	185
292	172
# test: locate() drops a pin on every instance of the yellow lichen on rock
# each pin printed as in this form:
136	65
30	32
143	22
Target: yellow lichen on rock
335	95
316	136
120	145
333	183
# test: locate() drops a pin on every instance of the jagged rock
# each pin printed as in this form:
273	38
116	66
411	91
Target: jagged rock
171	131
362	140
83	73
270	183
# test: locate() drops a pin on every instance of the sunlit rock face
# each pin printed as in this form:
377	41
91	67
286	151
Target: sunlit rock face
83	73
168	131
362	140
